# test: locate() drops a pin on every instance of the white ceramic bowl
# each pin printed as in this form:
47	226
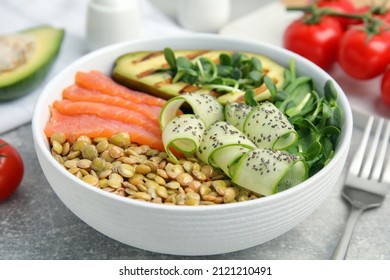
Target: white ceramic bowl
186	230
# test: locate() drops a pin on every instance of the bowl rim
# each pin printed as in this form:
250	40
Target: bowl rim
342	145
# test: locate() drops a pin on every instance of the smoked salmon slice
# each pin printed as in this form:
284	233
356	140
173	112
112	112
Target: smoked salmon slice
109	112
97	80
77	93
92	126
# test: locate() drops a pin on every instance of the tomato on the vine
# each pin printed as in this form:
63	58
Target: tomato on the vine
363	55
385	16
344	6
11	169
385	87
316	41
380	12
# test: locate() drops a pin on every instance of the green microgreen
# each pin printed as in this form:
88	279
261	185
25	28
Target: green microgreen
249	97
233	72
170	58
314	114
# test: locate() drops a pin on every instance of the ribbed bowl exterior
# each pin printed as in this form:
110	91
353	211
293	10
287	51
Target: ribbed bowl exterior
186	230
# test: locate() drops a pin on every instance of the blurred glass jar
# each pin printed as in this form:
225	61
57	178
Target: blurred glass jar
203	15
112	21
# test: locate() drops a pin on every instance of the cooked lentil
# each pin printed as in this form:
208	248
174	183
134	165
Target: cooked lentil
138	172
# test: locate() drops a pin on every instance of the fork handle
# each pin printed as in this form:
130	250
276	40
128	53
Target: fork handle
342	247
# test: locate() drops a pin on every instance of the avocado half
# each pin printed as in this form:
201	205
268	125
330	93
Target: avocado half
27	57
139	71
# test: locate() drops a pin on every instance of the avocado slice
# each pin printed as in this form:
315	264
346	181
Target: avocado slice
25	59
138	70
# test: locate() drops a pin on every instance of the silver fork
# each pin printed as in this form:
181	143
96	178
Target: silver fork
368	179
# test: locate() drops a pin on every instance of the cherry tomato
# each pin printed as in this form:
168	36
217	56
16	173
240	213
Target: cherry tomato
11	169
385	17
317	42
378	12
385	87
364	56
343	6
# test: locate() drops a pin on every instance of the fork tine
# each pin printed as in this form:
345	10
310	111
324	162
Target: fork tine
372	151
368	190
359	155
386	173
376	173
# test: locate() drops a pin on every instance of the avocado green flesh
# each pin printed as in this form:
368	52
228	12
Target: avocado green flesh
26	77
137	70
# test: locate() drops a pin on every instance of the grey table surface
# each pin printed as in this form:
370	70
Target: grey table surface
35	224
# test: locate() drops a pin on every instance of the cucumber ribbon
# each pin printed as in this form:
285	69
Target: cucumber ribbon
246	142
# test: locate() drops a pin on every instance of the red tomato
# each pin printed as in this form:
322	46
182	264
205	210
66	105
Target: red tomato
346	4
386	17
317	42
385	87
11	169
361	57
343	6
378	12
